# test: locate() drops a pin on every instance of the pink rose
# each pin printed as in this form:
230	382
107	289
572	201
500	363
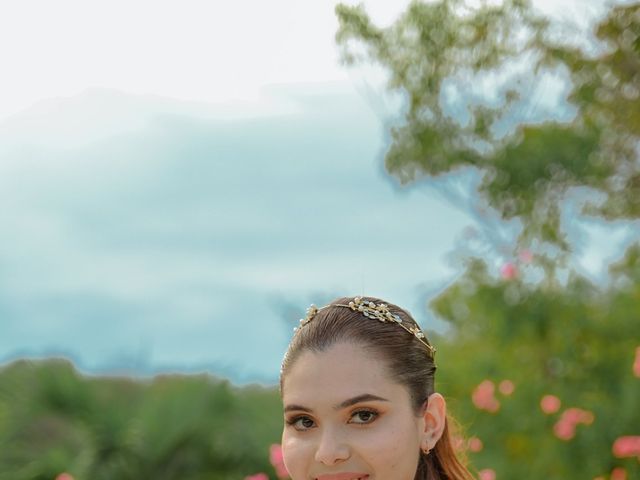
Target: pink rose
458	443
636	363
509	271
257	476
277	460
564	429
526	256
618	473
578	415
483	397
64	476
550	404
475	444
628	446
487	474
506	387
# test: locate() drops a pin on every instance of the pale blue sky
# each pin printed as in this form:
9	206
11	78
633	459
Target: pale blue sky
200	50
174	193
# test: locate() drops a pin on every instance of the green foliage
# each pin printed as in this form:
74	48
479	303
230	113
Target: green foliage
441	47
532	330
53	420
575	342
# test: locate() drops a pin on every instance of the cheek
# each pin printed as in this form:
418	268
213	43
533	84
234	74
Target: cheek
396	450
390	443
297	455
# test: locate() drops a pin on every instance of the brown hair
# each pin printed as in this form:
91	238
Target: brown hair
408	359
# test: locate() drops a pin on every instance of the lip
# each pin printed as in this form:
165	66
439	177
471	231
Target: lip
342	476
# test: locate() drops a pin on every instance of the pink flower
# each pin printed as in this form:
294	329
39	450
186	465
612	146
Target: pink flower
565	428
257	476
618	473
636	363
277	460
509	271
64	476
578	415
275	454
628	446
458	443
487	474
483	397
475	444
506	387
550	404
526	256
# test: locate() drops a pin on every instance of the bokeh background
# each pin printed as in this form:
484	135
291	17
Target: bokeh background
179	181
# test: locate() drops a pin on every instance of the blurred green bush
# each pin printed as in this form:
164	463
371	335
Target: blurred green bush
53	420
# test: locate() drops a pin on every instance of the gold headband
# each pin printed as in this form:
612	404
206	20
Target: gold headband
374	311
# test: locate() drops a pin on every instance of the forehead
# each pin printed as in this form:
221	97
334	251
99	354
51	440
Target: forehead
341	371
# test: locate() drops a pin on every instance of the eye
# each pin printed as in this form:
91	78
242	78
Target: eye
363	417
301	423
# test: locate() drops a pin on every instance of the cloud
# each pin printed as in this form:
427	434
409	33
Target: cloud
178	231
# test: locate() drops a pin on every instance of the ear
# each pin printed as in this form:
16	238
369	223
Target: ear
434	416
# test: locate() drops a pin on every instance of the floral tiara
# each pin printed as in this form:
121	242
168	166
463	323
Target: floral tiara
379	311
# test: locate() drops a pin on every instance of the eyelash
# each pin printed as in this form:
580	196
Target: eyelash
374	415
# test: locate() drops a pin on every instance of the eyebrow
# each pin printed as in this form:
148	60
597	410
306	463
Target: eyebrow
365	397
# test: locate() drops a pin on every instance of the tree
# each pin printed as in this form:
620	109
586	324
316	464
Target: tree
559	336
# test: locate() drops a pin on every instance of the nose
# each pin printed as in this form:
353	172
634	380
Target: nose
332	448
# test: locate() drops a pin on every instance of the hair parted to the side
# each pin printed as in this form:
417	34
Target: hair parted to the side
408	360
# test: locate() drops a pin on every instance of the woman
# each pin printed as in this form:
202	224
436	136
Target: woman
357	385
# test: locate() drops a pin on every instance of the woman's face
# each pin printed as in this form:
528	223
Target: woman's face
346	419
